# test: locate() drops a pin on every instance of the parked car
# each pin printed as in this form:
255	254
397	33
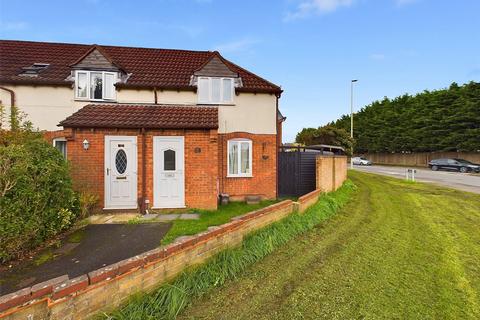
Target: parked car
454	165
361	161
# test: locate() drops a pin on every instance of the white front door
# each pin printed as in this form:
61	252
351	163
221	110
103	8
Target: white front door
168	172
120	172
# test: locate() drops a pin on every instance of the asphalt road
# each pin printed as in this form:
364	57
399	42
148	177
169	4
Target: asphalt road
456	180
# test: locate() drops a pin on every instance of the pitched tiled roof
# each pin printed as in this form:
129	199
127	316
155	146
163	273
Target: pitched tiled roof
143	116
161	68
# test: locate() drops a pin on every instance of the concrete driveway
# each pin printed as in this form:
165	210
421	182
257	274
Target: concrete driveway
461	181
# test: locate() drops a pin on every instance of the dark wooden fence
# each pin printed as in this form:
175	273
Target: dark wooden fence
296	174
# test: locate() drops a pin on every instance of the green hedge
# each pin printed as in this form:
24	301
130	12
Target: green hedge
36	196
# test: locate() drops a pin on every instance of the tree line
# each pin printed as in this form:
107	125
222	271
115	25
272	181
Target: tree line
440	120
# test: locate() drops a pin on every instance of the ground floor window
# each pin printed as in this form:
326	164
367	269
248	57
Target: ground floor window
239	158
61	145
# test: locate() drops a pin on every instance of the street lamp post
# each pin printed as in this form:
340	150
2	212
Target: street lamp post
351	118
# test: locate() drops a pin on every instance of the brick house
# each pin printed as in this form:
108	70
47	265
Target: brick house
149	128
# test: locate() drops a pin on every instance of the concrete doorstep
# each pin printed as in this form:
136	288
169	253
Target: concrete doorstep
151	217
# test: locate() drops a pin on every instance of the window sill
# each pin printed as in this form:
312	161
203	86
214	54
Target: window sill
240	176
215	104
94	100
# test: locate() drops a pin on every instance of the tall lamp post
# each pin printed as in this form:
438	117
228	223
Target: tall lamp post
351	118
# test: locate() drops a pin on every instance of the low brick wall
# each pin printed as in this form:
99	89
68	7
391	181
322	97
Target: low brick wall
107	288
331	172
308	199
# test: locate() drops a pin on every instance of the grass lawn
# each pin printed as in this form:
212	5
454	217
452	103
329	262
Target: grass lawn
396	251
211	218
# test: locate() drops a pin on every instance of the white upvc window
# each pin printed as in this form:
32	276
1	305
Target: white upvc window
95	85
61	145
239	158
215	90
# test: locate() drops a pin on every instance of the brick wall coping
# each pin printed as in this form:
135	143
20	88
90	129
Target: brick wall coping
310	195
60	288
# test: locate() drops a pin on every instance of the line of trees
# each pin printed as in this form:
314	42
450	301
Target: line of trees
441	120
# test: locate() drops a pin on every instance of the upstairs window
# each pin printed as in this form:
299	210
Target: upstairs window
239	158
95	85
215	90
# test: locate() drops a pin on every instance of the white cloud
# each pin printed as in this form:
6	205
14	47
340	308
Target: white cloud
309	7
191	31
241	45
13	26
404	2
377	56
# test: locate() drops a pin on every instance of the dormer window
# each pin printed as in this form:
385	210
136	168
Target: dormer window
95	85
213	90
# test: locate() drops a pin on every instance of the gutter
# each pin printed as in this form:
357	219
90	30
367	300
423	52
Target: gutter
143	206
12	96
277	149
12	104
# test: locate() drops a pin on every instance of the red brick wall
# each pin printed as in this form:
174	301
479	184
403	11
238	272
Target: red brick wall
200	176
264	158
205	172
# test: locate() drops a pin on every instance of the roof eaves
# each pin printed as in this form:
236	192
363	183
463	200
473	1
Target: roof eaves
37	82
278	88
126	85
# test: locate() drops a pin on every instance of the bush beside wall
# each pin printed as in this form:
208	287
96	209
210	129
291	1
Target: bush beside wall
36	196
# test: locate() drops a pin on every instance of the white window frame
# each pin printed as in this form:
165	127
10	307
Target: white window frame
210	90
239	174
62	139
88	73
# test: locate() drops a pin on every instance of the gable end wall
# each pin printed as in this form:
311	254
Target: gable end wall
216	68
95	60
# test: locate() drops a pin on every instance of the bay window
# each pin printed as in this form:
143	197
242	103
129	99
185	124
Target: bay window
95	85
239	158
215	90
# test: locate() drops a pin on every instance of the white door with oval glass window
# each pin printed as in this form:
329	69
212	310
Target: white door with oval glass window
120	172
168	172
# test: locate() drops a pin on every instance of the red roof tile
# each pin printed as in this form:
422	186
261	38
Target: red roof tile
161	68
143	116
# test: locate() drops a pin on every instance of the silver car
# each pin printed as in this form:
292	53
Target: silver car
361	161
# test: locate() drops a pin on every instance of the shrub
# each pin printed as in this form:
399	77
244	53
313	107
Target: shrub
36	196
87	201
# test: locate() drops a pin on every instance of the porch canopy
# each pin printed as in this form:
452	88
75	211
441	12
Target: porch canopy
148	116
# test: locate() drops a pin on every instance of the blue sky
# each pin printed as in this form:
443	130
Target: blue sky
312	48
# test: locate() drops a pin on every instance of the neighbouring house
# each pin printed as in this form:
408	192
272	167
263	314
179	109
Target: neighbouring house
149	128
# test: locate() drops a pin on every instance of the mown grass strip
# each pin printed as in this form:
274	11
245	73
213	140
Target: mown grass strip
170	299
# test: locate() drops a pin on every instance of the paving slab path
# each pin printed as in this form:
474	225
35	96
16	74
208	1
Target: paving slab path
88	249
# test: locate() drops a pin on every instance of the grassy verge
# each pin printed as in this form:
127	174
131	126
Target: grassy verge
211	218
167	301
397	250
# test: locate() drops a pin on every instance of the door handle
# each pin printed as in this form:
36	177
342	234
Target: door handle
108	171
